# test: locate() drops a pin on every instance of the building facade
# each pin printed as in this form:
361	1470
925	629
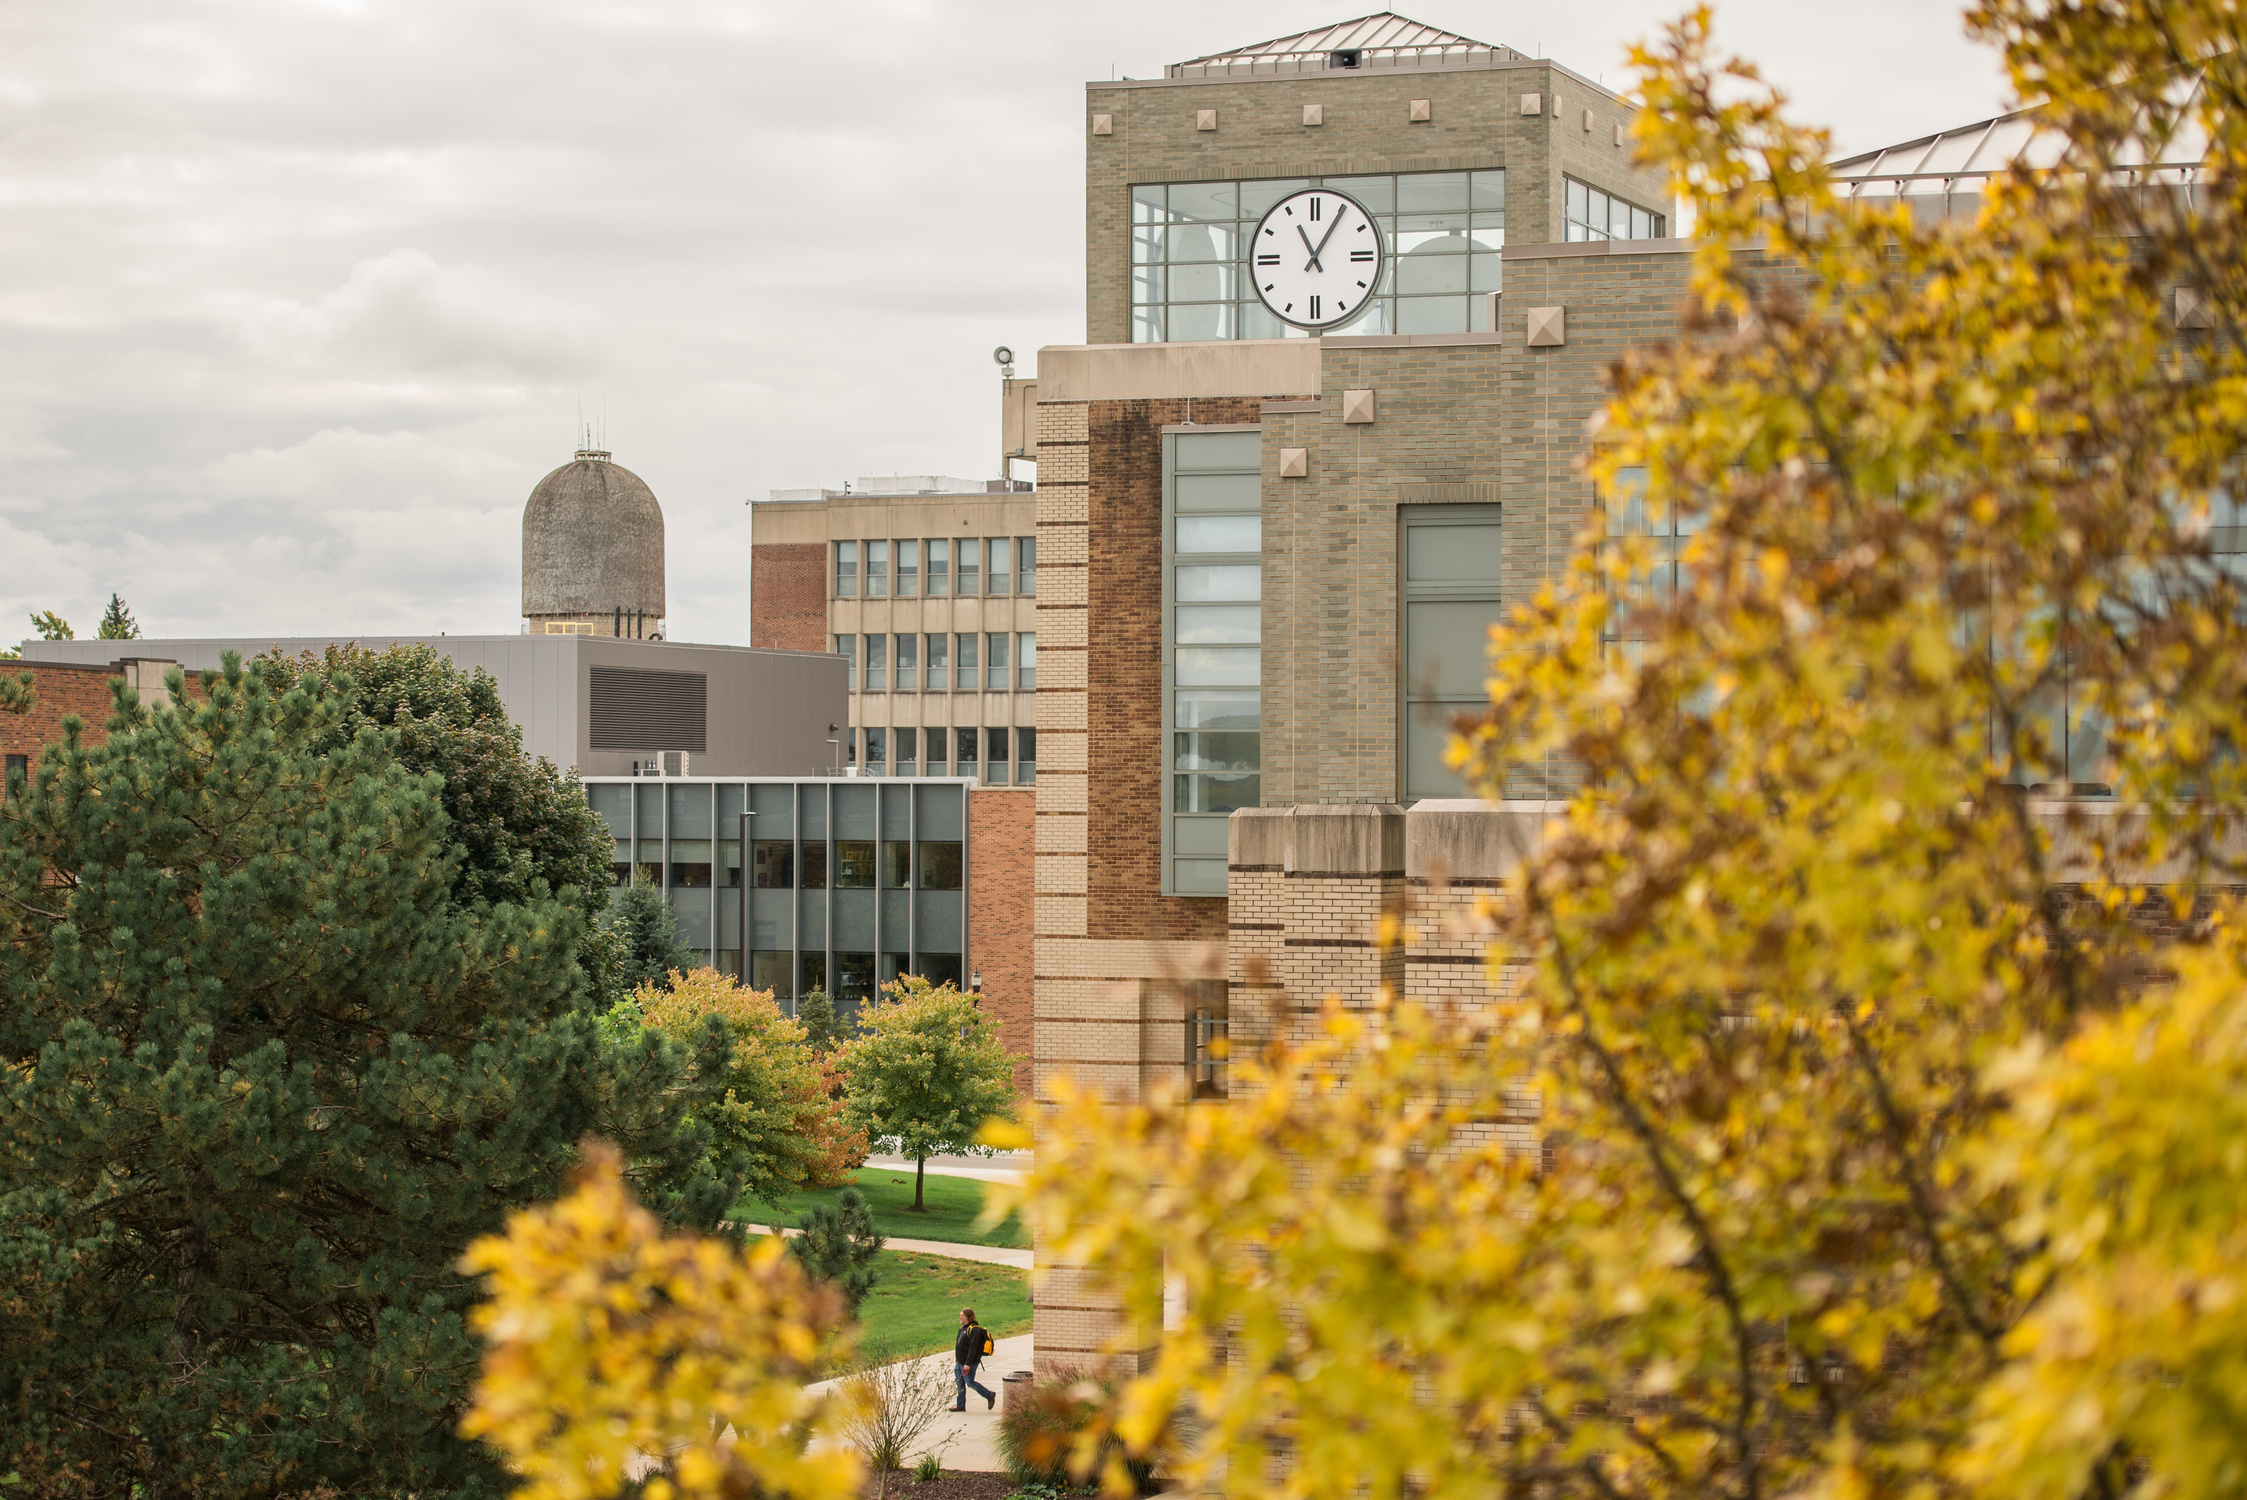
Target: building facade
928	588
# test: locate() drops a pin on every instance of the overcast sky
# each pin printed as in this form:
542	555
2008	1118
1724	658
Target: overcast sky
299	298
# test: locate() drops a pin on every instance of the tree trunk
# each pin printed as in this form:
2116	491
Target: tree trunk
920	1176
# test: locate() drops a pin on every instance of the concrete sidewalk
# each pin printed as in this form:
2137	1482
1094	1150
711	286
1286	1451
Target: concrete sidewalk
969	1440
990	1255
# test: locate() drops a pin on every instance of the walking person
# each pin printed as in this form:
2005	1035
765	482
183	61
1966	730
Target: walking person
967	1354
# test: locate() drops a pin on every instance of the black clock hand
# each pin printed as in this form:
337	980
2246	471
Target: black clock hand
1337	224
1313	263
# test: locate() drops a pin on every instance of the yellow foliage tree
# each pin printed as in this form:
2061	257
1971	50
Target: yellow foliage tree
618	1355
1854	1060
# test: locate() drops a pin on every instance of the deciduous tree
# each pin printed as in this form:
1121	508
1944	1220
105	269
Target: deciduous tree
926	1072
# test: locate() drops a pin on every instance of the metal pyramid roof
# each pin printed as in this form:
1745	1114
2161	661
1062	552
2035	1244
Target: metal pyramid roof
1384	40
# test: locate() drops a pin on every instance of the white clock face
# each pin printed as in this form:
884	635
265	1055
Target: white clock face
1316	258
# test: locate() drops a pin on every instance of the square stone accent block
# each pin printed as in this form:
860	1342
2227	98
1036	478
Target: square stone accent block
1103	124
1314	114
1618	135
1418	111
1587	119
1548	329
1295	463
2192	308
1357	406
1205	119
1533	104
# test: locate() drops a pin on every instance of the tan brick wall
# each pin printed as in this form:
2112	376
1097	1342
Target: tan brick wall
788	596
1001	822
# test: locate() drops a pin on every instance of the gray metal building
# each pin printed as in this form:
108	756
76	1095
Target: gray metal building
607	707
847	882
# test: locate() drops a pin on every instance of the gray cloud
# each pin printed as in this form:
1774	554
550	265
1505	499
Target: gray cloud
299	297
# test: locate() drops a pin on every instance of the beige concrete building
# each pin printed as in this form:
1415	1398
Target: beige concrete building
929	586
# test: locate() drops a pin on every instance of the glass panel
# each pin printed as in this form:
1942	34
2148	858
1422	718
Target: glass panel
996	755
940	865
1486	273
877	660
1220	624
1195	246
854	864
996	660
611	802
1447	652
1146	246
897	865
967	677
1214	752
1579	202
1215	793
1436	553
1218	491
1432	314
648	869
1000	575
729	864
1147	327
1219	666
1147	204
815	973
690	864
908	569
1257	198
939	566
877	748
877	569
1486	233
1221	533
1426	192
1377	195
847	645
854	977
1208	583
1203	451
1207	708
939	663
1441	271
1025	755
971	565
1486	191
1026	660
815	865
773	864
620	863
908	750
1192	322
1203	201
846	570
1026	565
908	662
964	744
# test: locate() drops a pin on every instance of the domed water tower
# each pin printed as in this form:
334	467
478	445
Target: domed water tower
593	551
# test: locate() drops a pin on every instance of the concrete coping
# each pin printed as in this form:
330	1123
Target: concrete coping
1409	340
1437	840
1560	251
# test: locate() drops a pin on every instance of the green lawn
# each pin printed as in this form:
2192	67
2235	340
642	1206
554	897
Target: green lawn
915	1308
953	1203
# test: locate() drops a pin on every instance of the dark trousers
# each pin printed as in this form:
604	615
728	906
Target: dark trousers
964	1377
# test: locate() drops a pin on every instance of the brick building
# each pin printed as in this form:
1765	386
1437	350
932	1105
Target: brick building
65	689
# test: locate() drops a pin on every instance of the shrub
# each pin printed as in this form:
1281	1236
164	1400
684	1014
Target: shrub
893	1407
1062	1436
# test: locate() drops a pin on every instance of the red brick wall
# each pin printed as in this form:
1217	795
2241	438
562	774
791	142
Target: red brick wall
1124	671
83	691
788	596
1001	823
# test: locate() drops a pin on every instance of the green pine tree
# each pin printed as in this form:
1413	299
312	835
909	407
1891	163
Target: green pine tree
263	1074
648	935
816	1012
117	622
838	1244
52	627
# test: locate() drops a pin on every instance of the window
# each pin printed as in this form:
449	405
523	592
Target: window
939	663
995	657
935	752
995	758
768	970
877	663
908	663
877	748
690	864
971	566
908	750
1026	660
773	865
877	569
18	771
1213	651
1026	564
897	865
966	680
940	865
1444	232
854	974
942	969
1450	557
846	570
1594	215
854	864
908	569
847	646
815	865
939	566
1025	757
815	973
1001	575
964	758
1207	1044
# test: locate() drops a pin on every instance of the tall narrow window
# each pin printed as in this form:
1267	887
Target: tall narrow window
939	566
995	758
908	663
847	645
1002	566
1026	660
1026	564
971	566
908	569
877	663
968	677
877	750
908	751
846	570
877	569
1213	652
939	663
1450	557
996	656
964	756
1025	756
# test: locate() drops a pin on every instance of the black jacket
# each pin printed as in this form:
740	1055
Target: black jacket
967	1349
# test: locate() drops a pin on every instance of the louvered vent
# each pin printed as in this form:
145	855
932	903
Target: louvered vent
640	710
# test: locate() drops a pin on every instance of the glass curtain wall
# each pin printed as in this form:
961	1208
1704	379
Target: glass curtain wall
1594	215
896	851
1213	632
1189	273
